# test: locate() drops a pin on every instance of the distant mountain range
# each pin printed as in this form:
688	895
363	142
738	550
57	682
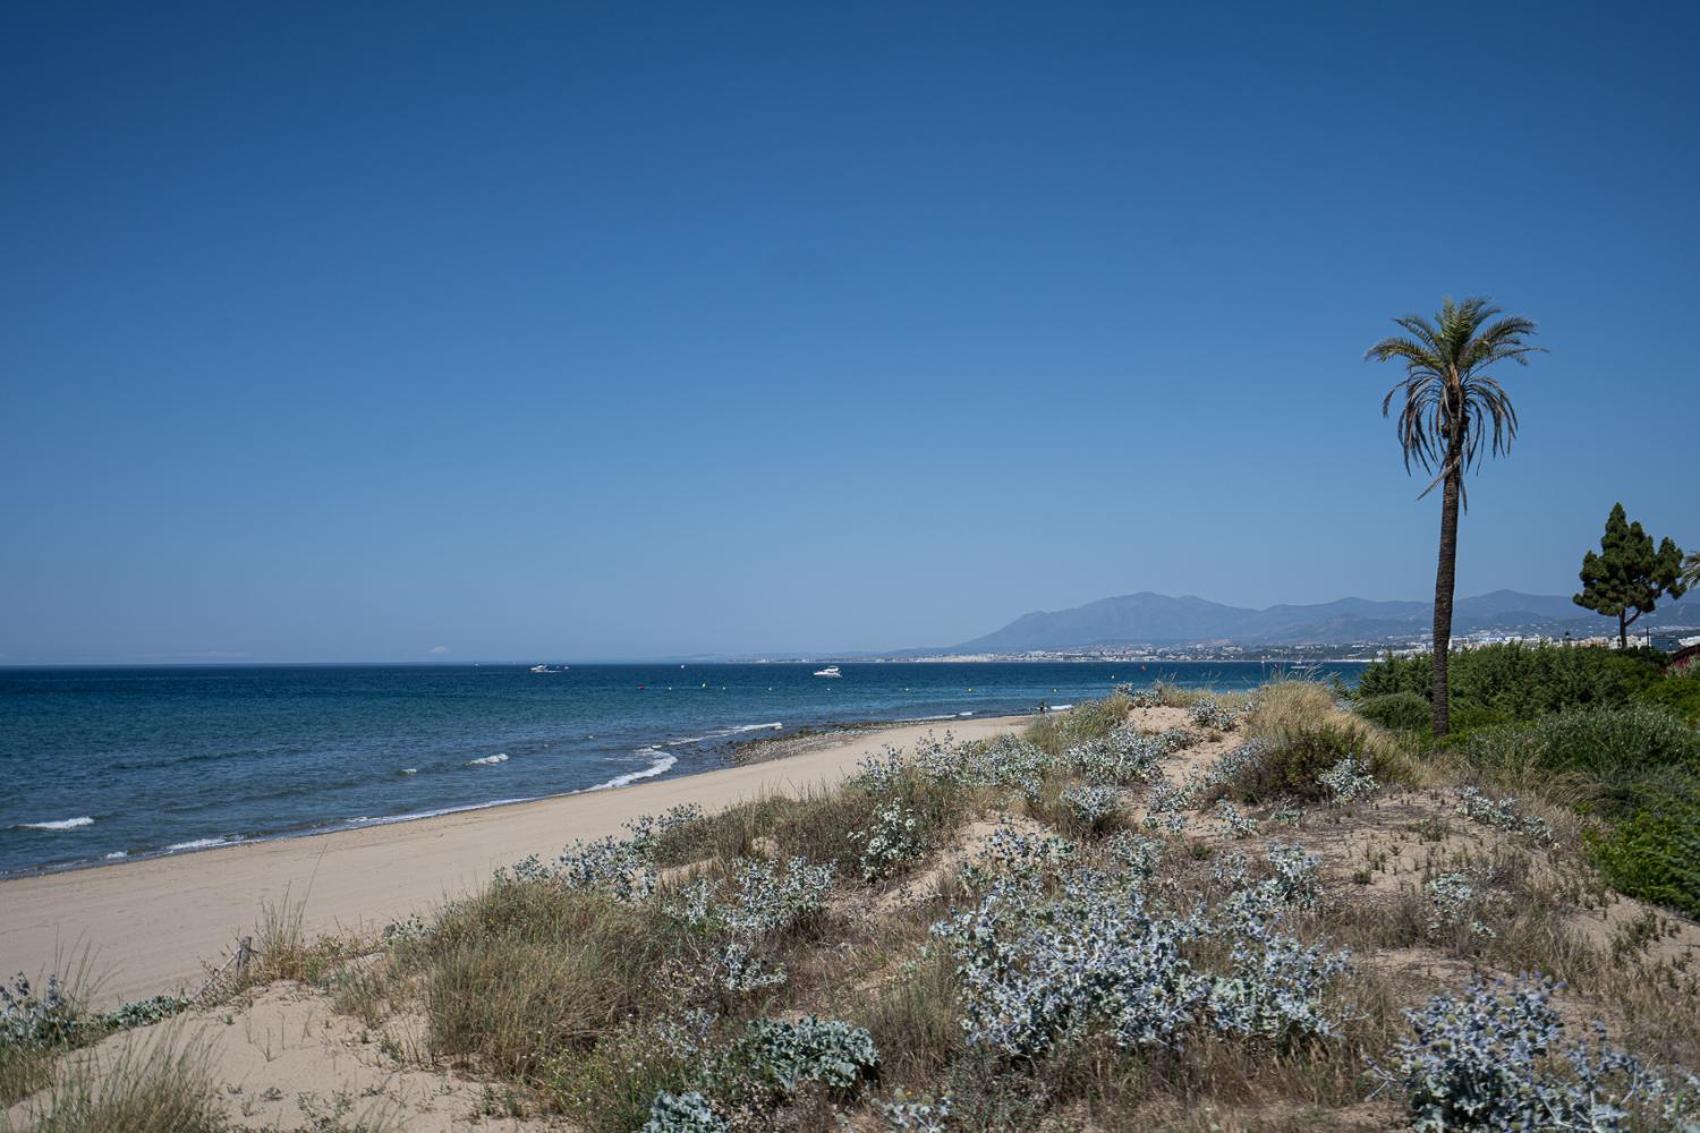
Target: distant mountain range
1161	620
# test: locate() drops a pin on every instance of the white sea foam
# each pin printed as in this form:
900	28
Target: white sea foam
722	733
61	824
965	713
489	760
388	819
410	770
660	762
1060	707
202	844
115	855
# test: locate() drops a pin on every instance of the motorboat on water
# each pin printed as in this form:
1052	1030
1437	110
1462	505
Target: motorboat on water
829	671
540	668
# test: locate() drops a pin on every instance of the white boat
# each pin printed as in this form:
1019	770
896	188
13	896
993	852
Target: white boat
540	668
829	671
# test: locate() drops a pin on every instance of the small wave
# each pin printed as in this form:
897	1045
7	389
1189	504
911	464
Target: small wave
1060	707
389	819
61	824
202	844
722	733
410	770
661	762
115	855
489	760
965	713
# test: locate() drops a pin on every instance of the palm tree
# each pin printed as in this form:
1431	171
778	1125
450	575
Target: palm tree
1691	571
1448	409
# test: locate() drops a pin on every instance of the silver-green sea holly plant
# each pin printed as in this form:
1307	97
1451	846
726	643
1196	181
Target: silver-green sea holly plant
1091	953
1493	1061
1095	809
890	841
1348	780
1209	714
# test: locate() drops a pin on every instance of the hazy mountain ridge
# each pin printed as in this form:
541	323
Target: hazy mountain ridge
1147	618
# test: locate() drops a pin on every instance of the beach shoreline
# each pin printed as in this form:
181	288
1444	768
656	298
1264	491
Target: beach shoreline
146	924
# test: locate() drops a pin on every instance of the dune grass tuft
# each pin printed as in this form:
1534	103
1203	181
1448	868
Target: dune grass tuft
159	1086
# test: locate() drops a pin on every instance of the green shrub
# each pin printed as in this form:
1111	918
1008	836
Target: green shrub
1679	695
1653	852
1510	753
1397	711
1291	763
1521	682
1644	764
1611	747
1618	744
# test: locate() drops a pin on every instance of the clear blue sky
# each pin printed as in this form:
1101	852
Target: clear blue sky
348	331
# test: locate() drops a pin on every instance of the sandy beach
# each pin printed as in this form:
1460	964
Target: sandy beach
148	925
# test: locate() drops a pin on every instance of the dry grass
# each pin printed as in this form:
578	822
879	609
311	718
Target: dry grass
1056	732
162	1086
24	1070
1305	734
913	1020
527	972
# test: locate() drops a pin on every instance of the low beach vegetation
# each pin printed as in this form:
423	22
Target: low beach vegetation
1607	733
1256	912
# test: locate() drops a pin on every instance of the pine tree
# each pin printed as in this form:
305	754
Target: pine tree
1629	575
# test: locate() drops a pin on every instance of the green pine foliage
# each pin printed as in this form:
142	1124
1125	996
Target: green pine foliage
1628	575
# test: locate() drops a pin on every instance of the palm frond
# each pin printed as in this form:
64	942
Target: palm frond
1449	405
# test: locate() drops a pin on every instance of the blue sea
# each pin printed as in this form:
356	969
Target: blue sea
108	764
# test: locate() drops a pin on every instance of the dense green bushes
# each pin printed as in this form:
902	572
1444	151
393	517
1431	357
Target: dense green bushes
1643	766
1604	728
1613	746
1653	851
1679	695
1397	711
1507	683
1291	765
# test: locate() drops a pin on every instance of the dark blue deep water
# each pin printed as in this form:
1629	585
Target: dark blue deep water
104	763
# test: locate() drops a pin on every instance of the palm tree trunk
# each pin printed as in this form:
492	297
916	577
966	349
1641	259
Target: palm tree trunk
1444	577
